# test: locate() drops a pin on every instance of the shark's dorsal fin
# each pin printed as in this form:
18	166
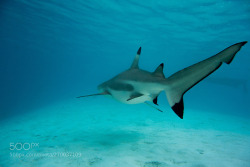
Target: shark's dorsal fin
159	71
136	60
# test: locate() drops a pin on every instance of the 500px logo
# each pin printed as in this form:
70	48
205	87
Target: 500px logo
23	146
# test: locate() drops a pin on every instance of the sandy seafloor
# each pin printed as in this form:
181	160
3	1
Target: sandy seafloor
113	134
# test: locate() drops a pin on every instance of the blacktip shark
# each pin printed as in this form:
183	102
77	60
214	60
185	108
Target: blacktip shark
139	86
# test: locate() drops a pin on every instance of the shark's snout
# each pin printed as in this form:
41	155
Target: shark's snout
100	88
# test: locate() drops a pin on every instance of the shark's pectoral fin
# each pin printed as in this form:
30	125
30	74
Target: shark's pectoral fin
153	106
97	94
134	95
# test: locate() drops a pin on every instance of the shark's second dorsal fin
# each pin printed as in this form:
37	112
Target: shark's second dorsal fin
136	60
159	71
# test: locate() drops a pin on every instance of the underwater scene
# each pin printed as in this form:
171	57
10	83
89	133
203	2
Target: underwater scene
135	83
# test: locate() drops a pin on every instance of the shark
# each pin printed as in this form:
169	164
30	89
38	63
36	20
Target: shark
135	85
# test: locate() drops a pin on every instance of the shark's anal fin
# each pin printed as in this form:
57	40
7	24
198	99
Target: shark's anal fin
155	100
134	95
159	71
136	59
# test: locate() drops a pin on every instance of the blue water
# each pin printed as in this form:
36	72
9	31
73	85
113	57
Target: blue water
54	51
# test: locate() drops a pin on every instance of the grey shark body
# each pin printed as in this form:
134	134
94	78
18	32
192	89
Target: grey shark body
138	86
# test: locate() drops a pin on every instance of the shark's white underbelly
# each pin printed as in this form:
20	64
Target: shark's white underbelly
124	96
148	91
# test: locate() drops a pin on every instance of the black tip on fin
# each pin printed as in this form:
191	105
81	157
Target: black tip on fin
243	43
159	71
179	108
155	100
139	51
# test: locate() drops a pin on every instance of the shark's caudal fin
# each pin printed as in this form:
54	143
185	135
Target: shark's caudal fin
183	80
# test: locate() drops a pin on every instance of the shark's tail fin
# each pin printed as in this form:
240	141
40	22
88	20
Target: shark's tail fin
183	80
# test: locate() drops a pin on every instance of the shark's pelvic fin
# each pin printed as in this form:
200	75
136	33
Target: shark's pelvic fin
159	71
155	100
97	94
185	79
135	95
136	60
